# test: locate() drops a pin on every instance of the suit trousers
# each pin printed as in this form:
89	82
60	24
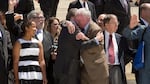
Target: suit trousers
115	76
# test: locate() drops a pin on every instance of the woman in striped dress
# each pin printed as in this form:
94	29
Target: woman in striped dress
28	59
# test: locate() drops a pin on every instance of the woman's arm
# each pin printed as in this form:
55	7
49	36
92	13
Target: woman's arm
16	51
42	63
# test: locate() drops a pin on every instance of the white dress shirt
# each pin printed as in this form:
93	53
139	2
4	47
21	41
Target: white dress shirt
115	47
0	34
145	22
86	5
40	35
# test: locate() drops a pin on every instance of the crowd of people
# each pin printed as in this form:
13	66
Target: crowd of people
91	46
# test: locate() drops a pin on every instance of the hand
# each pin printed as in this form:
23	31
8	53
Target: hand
16	81
133	21
53	54
12	4
99	36
45	81
18	16
81	36
70	26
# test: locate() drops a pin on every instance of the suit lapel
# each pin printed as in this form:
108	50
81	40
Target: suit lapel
4	44
117	39
2	41
117	3
142	22
79	5
44	36
104	41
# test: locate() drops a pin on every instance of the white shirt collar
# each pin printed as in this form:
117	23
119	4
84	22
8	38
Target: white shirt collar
86	5
145	22
86	27
81	1
40	35
107	33
0	34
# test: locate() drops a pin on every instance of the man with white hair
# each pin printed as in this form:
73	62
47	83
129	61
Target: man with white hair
94	69
84	4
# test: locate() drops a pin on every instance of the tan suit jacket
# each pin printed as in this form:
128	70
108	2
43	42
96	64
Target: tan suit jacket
94	69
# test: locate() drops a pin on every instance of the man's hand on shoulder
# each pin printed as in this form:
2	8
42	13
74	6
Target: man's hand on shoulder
69	25
81	36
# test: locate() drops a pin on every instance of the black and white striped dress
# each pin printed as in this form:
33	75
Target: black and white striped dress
29	69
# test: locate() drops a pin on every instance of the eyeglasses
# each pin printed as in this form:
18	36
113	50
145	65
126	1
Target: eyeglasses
42	18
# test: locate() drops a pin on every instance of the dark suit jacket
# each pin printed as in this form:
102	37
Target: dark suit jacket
24	7
99	6
134	43
66	66
13	27
3	57
123	53
77	4
45	6
4	5
47	45
54	4
115	7
49	7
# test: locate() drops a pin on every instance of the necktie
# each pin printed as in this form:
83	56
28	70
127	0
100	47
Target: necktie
38	31
111	50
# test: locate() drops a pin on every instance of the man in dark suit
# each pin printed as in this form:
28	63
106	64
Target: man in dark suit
136	32
17	11
98	6
54	4
49	7
46	39
121	8
144	8
3	56
88	5
115	57
24	7
67	64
